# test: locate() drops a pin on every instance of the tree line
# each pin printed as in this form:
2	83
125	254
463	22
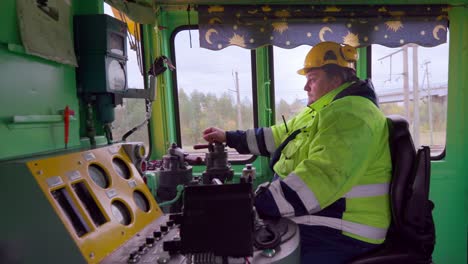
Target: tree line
199	110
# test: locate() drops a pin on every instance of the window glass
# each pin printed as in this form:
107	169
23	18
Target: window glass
427	69
290	97
132	112
214	89
412	81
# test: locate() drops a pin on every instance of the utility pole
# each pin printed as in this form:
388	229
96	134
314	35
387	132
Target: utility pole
237	91
406	82
429	100
405	74
406	92
415	96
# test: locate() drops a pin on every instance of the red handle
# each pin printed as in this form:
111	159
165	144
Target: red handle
66	121
194	160
201	146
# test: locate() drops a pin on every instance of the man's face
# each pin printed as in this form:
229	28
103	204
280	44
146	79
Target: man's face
318	84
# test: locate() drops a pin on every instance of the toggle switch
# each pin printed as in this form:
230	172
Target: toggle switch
157	235
150	241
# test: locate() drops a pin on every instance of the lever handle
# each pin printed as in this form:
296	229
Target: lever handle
194	160
201	146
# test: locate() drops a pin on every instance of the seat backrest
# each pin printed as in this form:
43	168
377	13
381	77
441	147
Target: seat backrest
403	156
412	222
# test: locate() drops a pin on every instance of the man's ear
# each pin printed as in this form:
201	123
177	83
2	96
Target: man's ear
336	81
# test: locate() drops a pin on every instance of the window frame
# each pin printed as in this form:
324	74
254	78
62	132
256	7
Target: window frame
145	83
176	92
441	155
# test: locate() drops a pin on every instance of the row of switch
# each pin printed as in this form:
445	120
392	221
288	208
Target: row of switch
150	241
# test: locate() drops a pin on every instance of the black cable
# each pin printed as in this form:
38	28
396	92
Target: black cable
266	237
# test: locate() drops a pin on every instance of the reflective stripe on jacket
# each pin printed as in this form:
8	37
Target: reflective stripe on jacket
335	171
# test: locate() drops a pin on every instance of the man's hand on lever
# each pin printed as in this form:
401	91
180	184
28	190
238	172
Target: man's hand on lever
213	134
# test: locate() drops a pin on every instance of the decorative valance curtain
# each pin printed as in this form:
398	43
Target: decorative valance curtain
291	26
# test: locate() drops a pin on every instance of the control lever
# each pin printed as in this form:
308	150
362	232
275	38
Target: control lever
209	146
194	160
216	160
216	181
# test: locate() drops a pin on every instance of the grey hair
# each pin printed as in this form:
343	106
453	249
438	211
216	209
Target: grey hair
345	74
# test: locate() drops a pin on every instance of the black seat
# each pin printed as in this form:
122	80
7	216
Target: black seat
411	236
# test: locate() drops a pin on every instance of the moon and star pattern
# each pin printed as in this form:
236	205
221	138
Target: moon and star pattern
287	27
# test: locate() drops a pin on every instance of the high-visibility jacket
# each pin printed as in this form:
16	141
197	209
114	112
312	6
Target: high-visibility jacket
333	163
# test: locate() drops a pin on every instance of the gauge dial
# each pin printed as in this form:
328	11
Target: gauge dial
116	78
99	176
141	201
140	151
117	43
121	212
121	168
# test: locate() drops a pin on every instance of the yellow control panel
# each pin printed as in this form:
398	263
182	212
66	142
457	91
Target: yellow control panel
98	195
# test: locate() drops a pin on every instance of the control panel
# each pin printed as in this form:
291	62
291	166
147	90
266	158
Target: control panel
93	206
154	244
73	207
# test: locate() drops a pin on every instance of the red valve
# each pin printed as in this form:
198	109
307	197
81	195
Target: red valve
66	120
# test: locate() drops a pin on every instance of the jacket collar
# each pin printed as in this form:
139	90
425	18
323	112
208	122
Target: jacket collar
328	97
360	88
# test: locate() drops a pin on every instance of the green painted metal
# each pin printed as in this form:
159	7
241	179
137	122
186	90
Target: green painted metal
167	86
157	125
449	184
265	106
34	86
163	122
9	25
29	226
361	67
88	7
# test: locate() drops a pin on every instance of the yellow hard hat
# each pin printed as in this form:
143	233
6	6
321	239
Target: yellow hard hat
329	53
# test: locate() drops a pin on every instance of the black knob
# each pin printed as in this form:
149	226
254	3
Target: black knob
170	223
133	255
172	246
177	218
141	248
163	228
150	240
157	234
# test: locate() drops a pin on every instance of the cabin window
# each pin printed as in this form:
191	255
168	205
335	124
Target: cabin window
393	82
213	88
132	112
412	81
290	97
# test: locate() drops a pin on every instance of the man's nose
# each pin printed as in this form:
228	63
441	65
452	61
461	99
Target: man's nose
306	87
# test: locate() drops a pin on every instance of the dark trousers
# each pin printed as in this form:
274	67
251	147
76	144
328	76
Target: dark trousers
328	246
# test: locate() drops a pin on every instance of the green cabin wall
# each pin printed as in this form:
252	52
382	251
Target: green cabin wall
449	181
31	86
34	86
